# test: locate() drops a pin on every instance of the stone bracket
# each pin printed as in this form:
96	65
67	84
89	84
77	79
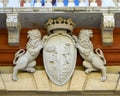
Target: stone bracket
13	26
107	27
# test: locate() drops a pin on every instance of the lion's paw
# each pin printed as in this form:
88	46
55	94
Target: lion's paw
14	78
103	79
32	70
87	71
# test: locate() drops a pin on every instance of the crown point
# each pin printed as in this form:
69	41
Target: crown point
60	23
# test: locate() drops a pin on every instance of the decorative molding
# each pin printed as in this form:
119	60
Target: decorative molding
107	27
13	26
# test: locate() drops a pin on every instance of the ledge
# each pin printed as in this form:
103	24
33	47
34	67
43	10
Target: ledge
42	14
60	9
39	84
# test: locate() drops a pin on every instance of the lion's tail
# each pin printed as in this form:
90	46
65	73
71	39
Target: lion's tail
17	55
101	55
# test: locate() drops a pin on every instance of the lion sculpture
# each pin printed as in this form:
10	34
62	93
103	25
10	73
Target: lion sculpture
25	60
93	61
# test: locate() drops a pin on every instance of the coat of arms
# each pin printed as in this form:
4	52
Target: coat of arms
59	52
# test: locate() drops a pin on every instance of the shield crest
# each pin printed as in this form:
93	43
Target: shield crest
59	57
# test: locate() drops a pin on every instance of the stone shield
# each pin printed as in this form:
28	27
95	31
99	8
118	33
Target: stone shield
59	57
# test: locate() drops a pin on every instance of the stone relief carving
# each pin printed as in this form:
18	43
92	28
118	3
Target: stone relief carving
25	60
93	61
59	52
59	62
52	54
66	53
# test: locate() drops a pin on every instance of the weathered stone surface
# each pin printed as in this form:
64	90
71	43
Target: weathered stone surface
2	87
78	80
59	53
110	77
59	94
94	86
42	80
38	84
118	87
91	59
107	27
26	82
13	27
25	59
56	88
113	77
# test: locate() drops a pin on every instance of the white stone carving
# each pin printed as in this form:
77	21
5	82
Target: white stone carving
13	3
12	20
27	3
107	27
93	3
59	52
59	23
109	21
66	53
48	3
25	60
93	61
38	3
52	51
13	26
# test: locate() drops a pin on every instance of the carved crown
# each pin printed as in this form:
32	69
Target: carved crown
59	23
